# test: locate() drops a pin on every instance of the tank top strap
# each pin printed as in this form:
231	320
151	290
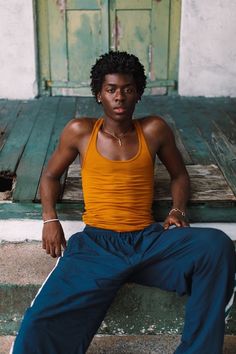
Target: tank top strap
91	148
142	139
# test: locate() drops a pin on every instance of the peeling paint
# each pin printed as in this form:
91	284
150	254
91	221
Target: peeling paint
118	33
62	6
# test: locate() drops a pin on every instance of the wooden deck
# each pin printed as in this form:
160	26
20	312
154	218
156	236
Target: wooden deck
205	131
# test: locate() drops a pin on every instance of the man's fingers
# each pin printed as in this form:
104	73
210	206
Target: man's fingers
58	250
63	242
44	244
166	225
52	250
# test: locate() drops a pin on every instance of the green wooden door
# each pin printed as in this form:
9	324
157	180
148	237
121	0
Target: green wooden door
80	30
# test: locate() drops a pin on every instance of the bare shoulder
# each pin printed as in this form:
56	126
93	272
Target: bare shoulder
155	126
79	126
76	133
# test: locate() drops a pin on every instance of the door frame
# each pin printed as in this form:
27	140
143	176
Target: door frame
42	30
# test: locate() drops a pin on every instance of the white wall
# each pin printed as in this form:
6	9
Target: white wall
17	50
208	48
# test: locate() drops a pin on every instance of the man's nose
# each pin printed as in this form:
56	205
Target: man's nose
119	95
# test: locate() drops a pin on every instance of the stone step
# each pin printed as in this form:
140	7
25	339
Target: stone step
136	309
142	344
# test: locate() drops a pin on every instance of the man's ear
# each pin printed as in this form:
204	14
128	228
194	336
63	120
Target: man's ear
99	97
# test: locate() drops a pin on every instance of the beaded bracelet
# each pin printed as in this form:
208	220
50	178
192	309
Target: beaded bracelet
50	220
180	211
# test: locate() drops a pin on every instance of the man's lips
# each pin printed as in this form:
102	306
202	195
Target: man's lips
119	109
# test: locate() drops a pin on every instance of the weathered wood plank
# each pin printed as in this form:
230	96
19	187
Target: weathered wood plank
8	115
210	122
207	184
179	142
18	137
178	110
195	144
204	212
65	112
225	150
88	107
29	169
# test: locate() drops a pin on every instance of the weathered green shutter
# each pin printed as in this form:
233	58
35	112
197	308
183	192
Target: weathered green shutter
78	32
142	28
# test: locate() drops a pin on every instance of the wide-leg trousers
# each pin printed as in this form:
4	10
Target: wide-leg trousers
74	299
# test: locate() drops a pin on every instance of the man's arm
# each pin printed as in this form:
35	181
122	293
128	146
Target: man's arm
161	142
180	183
67	150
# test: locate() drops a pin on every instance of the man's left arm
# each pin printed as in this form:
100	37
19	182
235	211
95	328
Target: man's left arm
180	183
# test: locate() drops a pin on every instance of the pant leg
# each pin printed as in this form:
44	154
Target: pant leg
72	303
199	262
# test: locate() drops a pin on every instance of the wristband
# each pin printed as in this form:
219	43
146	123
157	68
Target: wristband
50	220
180	211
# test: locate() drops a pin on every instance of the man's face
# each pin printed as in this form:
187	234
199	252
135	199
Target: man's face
118	96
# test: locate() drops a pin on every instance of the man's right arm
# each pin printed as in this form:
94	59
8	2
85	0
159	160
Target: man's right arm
63	156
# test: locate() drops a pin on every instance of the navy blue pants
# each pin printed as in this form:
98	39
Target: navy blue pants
73	301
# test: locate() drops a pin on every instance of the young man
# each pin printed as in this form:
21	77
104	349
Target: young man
121	242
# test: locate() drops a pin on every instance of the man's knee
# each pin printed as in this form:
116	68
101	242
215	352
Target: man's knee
217	244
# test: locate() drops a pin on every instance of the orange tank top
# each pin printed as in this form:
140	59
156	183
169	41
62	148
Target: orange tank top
118	195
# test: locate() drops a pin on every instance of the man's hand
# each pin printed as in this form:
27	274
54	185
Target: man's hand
53	238
175	218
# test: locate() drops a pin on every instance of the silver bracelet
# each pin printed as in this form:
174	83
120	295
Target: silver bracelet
180	211
50	220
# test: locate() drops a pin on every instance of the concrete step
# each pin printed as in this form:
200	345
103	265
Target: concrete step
136	309
143	344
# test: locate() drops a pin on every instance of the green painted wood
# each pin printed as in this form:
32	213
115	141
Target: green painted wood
30	166
42	24
214	130
73	33
88	107
9	111
179	142
3	103
78	33
19	135
204	212
66	111
130	5
176	110
128	33
195	144
148	38
84	43
174	42
231	109
57	40
160	39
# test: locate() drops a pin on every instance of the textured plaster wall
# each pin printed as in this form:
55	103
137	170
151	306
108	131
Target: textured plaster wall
208	48
17	50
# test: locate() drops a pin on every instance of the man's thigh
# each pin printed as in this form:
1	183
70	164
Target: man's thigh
171	260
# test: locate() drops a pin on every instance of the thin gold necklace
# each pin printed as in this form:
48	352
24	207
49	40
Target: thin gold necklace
117	137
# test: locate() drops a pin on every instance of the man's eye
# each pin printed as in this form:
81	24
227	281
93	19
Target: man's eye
128	90
110	90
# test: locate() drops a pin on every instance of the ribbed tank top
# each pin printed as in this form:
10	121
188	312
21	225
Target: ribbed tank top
118	195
